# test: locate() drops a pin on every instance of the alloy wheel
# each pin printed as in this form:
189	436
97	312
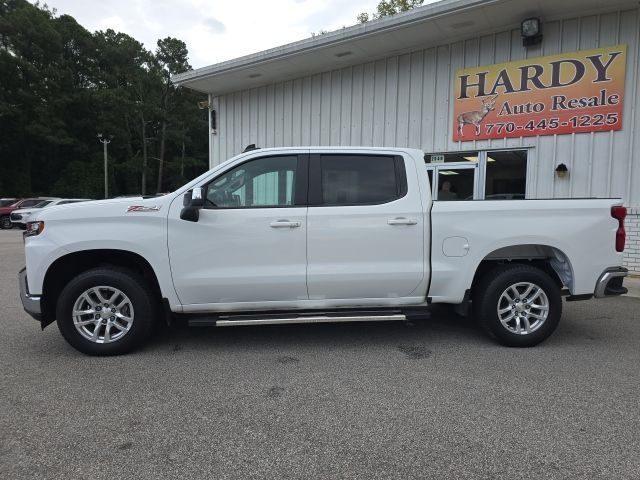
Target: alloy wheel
103	314
523	308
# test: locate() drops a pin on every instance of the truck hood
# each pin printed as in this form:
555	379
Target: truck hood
110	208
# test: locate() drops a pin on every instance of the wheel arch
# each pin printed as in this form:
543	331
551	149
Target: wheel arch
68	266
548	258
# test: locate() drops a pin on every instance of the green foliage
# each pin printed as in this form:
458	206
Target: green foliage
362	17
61	85
387	8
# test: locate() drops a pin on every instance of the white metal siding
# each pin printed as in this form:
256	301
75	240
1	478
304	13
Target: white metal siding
406	100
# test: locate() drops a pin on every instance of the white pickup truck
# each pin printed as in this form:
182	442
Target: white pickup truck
302	235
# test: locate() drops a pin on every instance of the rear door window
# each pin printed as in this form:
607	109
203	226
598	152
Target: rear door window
359	179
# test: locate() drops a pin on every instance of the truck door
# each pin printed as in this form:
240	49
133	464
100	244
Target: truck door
249	244
365	227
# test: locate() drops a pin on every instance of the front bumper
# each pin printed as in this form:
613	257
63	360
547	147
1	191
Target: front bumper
610	282
30	303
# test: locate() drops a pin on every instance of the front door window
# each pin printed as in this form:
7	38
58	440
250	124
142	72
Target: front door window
265	182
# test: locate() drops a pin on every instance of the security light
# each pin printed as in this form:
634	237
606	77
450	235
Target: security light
562	170
531	31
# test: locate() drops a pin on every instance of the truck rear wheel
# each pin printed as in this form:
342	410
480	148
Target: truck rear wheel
519	305
105	311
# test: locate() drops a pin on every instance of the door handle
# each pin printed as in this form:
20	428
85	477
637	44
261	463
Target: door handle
402	221
284	224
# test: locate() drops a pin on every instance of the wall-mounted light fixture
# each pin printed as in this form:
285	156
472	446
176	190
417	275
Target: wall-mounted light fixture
214	121
562	170
531	31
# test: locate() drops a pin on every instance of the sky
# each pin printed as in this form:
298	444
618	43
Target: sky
215	30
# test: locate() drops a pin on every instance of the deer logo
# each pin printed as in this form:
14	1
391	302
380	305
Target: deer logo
475	117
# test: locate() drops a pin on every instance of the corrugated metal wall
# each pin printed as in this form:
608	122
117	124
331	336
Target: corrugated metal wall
406	100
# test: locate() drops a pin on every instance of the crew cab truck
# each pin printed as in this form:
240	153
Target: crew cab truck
295	235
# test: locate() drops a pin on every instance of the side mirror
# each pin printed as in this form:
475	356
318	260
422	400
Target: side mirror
192	201
197	197
194	198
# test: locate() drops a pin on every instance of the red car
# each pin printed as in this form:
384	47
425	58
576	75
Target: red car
5	202
5	211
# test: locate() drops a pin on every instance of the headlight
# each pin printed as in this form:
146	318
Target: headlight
33	229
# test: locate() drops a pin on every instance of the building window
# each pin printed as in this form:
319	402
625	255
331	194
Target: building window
456	184
506	175
478	175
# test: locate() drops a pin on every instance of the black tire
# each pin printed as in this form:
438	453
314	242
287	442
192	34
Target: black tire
129	283
487	295
5	222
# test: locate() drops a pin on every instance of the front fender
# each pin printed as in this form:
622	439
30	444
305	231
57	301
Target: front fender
142	235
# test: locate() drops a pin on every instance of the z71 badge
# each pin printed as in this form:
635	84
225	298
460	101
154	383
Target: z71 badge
143	208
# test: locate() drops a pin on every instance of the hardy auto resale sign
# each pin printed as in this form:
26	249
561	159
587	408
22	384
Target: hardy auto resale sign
558	94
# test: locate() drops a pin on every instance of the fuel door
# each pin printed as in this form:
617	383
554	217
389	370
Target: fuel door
455	246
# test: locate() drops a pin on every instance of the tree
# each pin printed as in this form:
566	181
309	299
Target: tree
387	8
171	58
61	85
30	91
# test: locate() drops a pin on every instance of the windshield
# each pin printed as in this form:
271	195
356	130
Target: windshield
42	204
7	202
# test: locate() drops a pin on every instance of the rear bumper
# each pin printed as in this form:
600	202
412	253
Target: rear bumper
610	282
30	303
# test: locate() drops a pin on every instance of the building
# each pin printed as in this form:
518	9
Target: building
553	114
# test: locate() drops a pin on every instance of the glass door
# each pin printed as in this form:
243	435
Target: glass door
454	181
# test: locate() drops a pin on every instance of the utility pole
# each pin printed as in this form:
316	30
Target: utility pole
105	141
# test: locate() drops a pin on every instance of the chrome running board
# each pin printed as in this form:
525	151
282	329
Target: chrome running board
312	319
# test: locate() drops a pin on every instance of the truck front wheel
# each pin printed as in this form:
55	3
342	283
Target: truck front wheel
518	304
5	222
105	311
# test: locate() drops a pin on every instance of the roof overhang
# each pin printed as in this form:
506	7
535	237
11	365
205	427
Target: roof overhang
433	24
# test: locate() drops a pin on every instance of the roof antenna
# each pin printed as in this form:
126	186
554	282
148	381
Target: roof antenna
250	147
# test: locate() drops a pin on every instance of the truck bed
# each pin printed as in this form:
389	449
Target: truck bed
570	231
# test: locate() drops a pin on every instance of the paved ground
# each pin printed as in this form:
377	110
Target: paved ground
633	285
431	400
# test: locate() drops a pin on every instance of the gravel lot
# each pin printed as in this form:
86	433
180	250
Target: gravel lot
434	399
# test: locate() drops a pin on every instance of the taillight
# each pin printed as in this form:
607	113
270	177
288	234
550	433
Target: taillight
619	213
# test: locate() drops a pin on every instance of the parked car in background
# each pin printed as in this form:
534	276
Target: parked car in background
21	216
5	212
6	202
